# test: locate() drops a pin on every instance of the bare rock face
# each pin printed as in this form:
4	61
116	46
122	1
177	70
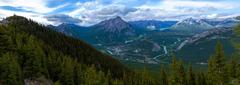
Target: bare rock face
38	81
197	37
115	25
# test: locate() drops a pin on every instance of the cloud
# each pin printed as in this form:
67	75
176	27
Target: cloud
38	6
176	9
33	9
33	16
89	12
95	11
61	18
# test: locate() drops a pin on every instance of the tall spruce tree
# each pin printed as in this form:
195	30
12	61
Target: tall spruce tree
33	59
201	79
191	76
66	73
163	77
174	79
232	67
182	74
10	71
5	40
216	67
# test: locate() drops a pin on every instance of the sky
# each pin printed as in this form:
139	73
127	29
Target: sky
89	12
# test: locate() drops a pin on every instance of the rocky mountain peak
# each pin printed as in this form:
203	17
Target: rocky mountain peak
116	24
192	25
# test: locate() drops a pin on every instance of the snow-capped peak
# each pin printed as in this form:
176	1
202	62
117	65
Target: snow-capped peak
192	21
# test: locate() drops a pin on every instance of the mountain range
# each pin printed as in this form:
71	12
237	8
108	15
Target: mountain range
153	40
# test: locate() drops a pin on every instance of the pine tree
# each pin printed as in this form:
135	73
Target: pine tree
190	76
216	67
182	75
178	75
145	78
91	76
163	77
78	74
174	80
232	68
54	61
33	59
10	71
238	73
66	74
5	40
201	79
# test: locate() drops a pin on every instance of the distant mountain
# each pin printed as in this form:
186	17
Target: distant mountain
115	25
126	40
238	17
114	30
152	24
228	22
71	29
191	25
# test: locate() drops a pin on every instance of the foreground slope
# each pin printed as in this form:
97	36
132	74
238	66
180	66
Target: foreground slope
75	48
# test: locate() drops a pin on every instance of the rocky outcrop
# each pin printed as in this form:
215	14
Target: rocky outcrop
197	37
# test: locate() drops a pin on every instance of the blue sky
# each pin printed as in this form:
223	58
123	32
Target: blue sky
89	12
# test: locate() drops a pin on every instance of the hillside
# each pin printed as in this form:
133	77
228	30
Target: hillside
37	51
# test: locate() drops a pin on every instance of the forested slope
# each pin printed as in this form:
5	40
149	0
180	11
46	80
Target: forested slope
30	51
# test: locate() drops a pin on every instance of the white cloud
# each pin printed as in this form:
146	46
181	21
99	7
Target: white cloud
94	11
174	4
33	16
176	9
38	6
212	16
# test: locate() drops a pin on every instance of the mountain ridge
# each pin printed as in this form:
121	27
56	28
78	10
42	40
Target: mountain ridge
68	45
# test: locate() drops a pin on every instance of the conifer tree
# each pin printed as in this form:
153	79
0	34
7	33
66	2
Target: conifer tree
66	74
201	79
174	80
217	68
91	76
163	77
5	40
10	71
78	74
232	67
145	77
191	76
33	59
54	61
182	75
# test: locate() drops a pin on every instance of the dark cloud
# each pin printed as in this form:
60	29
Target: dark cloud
61	18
